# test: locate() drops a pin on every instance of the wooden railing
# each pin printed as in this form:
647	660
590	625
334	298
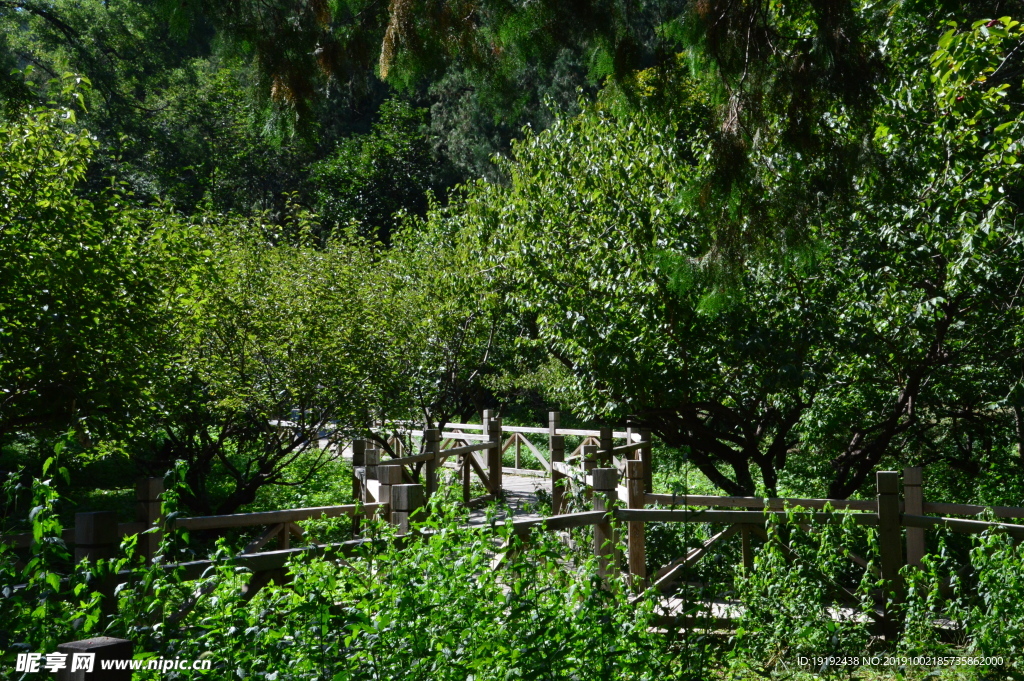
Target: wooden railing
621	500
514	437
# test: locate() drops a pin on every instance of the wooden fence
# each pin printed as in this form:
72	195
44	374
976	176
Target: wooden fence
622	503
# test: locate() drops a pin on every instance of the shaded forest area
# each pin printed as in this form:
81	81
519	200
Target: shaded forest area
781	235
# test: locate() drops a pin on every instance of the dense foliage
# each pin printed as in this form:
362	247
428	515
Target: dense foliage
782	235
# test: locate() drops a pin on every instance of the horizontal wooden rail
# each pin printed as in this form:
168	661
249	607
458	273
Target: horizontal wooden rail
621	435
407	459
972	509
465	450
759	503
24	539
565	469
961	525
469	437
738	517
560	522
630	447
220	522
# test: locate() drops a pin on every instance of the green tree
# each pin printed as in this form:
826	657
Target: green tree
274	346
895	326
80	316
370	178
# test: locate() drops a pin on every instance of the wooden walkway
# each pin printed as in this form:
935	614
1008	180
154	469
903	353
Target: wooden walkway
520	492
520	495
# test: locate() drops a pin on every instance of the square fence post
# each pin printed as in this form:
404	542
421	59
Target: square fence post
913	504
431	447
148	511
588	458
605	448
557	449
95	651
388	476
646	455
636	498
96	538
606	480
494	472
890	545
407	501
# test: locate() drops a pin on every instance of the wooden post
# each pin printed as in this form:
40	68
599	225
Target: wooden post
589	458
371	459
284	537
605	439
96	538
634	528
148	511
358	469
913	504
96	535
747	550
557	450
358	461
605	482
647	457
466	469
494	472
431	445
90	655
407	501
890	545
554	423
388	476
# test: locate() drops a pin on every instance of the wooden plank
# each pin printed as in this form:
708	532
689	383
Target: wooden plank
971	509
961	525
536	453
635	531
564	468
480	447
480	473
220	522
756	502
913	503
890	546
465	437
480	501
427	456
565	521
621	435
729	517
465	426
630	447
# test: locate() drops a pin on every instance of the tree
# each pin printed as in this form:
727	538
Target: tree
79	309
368	179
875	337
275	346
